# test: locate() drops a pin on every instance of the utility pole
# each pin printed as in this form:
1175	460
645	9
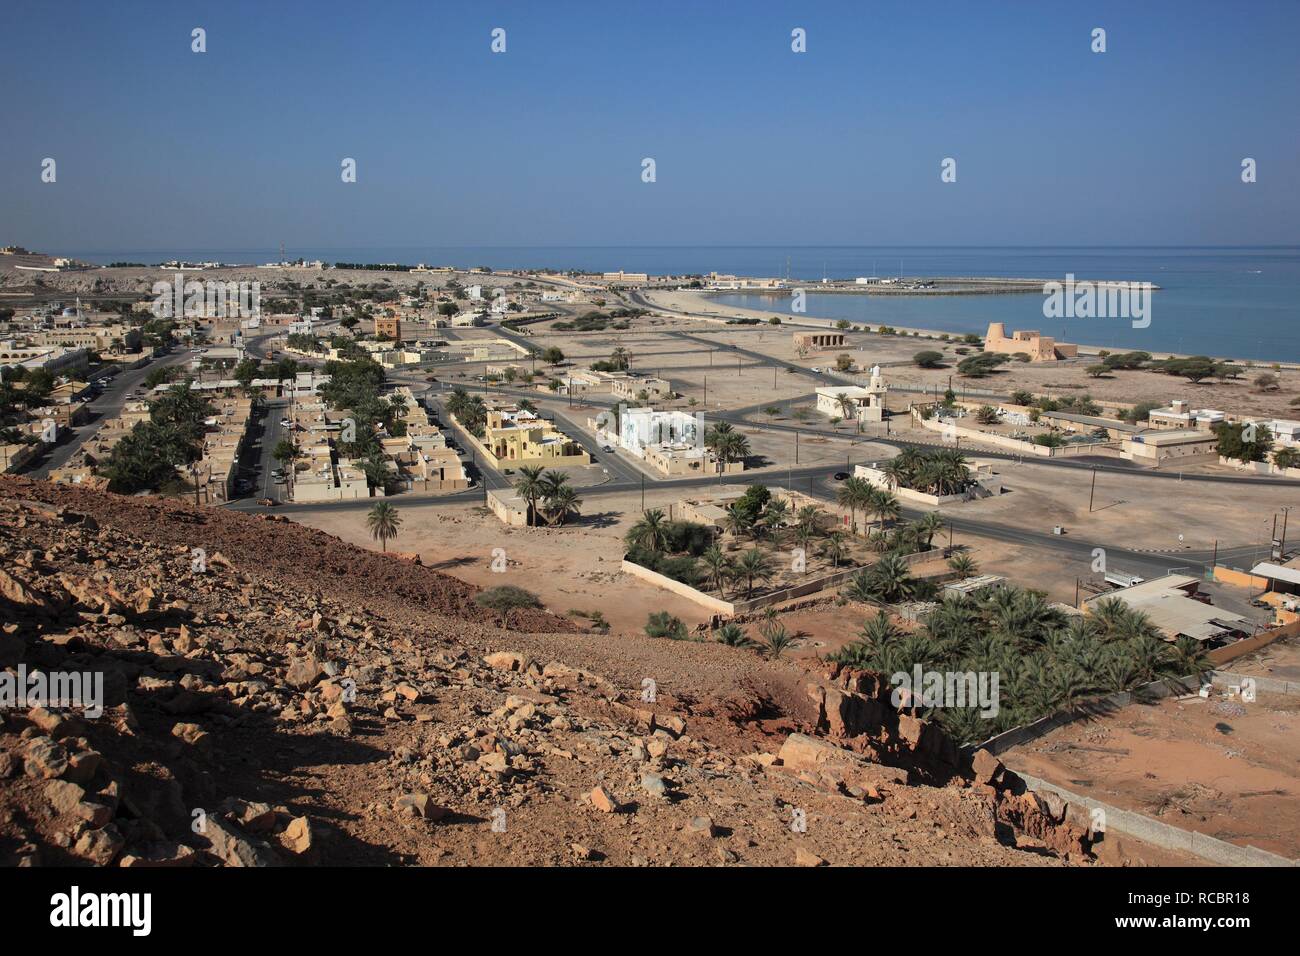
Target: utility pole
706	388
796	446
643	493
1076	592
1285	514
1092	490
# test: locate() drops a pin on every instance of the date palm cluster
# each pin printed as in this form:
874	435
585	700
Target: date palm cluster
1046	659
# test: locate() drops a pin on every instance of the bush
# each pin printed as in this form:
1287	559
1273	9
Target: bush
663	624
928	359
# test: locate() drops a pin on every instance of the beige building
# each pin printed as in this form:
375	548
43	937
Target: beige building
816	341
389	325
1039	348
631	385
1162	448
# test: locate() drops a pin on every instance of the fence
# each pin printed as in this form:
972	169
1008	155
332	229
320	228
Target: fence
1159	834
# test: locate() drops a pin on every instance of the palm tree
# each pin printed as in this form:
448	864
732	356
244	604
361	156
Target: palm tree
733	635
809	516
1190	657
736	522
882	504
853	494
892	578
530	487
383	521
753	565
929	525
896	471
651	532
848	408
560	503
717	567
776	516
776	640
375	468
964	565
836	547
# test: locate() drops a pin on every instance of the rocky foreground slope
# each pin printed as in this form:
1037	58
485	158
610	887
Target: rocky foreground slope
291	699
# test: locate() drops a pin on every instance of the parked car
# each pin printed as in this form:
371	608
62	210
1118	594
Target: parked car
608	448
286	423
841	475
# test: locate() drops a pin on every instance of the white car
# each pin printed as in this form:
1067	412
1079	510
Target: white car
816	368
285	423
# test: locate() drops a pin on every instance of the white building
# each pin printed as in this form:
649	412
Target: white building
865	404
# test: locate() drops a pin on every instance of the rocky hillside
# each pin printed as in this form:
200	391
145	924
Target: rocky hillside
291	699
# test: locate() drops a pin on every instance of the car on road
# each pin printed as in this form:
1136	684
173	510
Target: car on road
608	448
285	423
841	475
816	368
243	485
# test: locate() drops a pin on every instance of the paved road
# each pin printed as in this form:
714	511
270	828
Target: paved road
107	405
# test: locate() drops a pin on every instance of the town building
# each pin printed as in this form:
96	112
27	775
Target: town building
1179	414
390	326
864	404
1039	348
1161	448
816	341
514	437
1174	603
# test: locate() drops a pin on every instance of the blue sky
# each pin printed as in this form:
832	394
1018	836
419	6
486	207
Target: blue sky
241	146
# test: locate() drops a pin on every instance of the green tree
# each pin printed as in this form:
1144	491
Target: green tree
506	600
384	522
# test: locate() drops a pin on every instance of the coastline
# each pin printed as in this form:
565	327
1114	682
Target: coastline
681	301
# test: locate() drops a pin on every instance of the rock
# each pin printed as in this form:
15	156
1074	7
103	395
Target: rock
804	857
8	766
99	846
192	734
1053	805
235	849
583	852
94	814
419	805
493	763
304	672
602	801
506	661
82	767
656	748
986	767
702	826
654	784
297	837
161	855
44	758
63	796
54	724
673	724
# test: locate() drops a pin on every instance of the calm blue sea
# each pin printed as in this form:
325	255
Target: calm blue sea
1242	302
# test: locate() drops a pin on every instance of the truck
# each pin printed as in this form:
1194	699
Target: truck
1122	579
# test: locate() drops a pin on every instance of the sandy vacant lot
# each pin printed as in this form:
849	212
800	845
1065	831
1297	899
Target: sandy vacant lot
1218	766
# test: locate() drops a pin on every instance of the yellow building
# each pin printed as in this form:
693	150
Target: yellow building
513	437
